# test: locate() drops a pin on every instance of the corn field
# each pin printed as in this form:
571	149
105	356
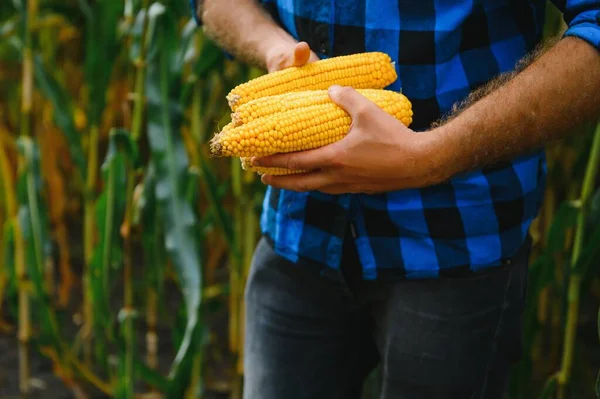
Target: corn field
124	247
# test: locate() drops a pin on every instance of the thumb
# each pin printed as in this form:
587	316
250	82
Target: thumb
301	54
348	99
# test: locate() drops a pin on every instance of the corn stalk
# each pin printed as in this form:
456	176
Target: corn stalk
170	161
21	273
573	293
10	215
128	311
101	51
120	158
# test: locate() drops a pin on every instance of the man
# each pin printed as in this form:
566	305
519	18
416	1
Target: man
407	247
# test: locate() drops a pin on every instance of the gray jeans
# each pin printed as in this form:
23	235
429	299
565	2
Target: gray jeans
317	335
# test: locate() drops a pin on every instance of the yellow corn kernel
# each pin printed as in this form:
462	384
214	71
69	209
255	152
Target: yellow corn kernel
228	126
373	70
299	129
269	105
262	170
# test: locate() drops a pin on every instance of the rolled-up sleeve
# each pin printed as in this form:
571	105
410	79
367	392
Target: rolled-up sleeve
582	18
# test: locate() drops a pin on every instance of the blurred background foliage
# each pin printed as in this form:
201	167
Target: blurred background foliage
124	247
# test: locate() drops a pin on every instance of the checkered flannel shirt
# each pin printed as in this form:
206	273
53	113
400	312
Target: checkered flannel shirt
442	49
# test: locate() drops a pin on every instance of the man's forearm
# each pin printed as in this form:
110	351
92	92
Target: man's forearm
556	93
243	28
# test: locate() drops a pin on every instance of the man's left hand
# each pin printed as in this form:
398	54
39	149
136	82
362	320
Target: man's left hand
378	154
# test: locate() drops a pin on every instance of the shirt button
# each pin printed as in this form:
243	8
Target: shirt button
322	37
323	48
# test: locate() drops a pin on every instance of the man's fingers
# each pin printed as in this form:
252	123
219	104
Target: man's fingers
302	182
309	159
301	54
350	100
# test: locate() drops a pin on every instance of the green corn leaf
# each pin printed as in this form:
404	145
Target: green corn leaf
178	386
564	218
221	216
33	220
145	208
191	186
171	162
178	10
210	58
8	289
590	253
67	9
102	46
186	51
151	377
110	210
127	354
549	388
10	27
62	112
19	5
593	216
589	208
154	11
130	7
148	217
8	247
148	375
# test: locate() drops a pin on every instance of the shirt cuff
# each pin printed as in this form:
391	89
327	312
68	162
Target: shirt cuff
586	26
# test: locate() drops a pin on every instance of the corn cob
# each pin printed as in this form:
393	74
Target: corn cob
300	128
285	102
365	70
261	170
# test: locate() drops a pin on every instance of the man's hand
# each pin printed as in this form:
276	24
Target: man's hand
247	31
378	154
287	54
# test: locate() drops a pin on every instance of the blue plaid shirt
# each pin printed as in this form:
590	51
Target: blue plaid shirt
442	49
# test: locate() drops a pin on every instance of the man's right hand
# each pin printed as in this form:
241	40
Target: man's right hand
288	55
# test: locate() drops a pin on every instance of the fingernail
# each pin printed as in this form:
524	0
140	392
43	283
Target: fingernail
334	89
255	162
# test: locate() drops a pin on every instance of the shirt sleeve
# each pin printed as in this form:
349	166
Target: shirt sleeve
194	10
582	18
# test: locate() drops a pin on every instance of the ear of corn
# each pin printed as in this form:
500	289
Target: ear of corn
300	128
361	71
290	110
228	126
269	105
261	170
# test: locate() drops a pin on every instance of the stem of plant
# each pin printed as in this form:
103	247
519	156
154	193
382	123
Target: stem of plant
136	128
248	251
128	285
88	236
140	78
151	336
10	200
593	166
236	265
24	333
